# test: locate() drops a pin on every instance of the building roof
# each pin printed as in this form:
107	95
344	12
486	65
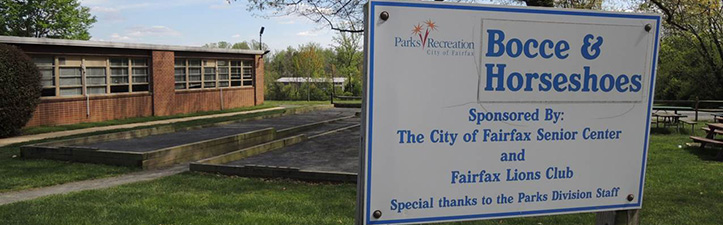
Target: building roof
306	79
107	44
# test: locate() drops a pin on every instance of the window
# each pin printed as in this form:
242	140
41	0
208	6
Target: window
180	73
248	78
47	69
209	77
70	76
236	73
140	74
75	75
119	75
223	73
194	73
206	73
95	80
70	81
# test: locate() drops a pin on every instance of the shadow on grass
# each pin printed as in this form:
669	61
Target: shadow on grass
661	130
706	154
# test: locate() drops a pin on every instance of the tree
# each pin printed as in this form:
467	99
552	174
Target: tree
64	19
309	63
220	44
19	87
241	45
579	4
348	60
698	25
255	45
238	45
339	15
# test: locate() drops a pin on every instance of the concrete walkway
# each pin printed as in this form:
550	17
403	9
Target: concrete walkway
19	139
24	195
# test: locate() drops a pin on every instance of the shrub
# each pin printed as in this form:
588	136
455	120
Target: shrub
19	89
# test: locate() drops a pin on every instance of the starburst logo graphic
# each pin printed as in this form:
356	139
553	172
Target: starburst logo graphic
425	35
428	27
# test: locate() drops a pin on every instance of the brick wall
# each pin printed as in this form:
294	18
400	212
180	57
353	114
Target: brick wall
239	97
162	100
163	83
74	110
259	84
191	101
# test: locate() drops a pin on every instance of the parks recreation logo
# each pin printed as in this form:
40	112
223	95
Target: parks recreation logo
422	36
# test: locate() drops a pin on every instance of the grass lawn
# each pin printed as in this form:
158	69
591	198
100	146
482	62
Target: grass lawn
348	101
683	186
17	174
267	104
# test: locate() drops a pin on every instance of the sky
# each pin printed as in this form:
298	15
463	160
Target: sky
197	22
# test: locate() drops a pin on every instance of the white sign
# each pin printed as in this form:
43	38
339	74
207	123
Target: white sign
478	112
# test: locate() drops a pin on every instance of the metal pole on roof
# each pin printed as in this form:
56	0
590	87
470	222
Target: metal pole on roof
261	44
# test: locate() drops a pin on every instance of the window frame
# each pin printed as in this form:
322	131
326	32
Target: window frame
251	74
54	74
240	68
80	67
222	67
79	62
132	75
198	82
185	74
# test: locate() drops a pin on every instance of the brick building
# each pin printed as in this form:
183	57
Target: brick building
90	81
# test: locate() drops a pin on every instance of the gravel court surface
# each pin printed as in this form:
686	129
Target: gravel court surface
335	152
155	142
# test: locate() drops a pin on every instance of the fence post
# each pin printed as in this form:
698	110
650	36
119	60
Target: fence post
697	101
622	217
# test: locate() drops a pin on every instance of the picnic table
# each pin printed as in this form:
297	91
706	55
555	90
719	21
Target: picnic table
711	131
668	119
718	117
675	109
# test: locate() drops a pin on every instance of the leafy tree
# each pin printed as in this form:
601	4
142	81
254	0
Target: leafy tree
241	45
682	73
579	4
348	61
64	19
19	87
309	63
220	44
691	54
255	45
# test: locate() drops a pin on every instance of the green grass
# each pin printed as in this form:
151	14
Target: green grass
298	103
18	174
683	186
193	198
348	101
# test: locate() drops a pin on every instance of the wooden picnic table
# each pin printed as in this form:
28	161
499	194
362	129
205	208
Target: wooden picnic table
718	117
713	129
672	119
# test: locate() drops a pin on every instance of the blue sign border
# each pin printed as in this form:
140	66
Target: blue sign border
370	106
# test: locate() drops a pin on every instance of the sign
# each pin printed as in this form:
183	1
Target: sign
478	112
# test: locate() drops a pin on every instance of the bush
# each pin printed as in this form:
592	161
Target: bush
19	89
